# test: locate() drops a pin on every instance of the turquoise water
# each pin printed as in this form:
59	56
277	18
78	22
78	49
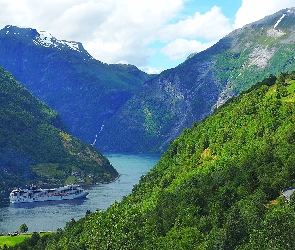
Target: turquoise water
49	216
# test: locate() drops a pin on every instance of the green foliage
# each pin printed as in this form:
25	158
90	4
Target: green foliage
34	147
218	185
23	228
11	241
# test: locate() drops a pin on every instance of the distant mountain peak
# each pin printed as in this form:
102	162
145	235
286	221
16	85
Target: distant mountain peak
16	31
47	40
42	38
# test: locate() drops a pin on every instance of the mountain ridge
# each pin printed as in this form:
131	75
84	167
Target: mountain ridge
84	91
189	92
43	38
141	113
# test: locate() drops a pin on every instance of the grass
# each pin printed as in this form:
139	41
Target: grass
291	92
49	170
71	179
13	240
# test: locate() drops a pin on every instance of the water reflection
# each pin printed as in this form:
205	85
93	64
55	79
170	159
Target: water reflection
31	205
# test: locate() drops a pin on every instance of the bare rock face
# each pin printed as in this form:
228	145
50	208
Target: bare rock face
206	80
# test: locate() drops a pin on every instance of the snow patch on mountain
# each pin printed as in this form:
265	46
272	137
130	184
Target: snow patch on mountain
277	23
43	38
47	40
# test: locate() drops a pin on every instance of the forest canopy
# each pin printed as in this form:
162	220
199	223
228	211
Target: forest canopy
218	186
35	146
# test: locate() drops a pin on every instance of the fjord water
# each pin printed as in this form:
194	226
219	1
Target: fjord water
49	216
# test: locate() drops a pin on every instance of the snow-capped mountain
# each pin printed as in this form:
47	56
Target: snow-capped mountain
42	38
85	91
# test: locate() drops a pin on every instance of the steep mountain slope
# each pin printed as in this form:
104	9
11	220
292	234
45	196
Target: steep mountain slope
217	186
34	146
85	91
177	97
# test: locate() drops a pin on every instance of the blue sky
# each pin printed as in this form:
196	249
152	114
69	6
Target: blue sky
153	35
228	7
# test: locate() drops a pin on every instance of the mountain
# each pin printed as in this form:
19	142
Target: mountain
218	186
85	91
123	109
35	147
177	97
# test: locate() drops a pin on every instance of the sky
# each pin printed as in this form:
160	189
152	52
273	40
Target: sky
153	35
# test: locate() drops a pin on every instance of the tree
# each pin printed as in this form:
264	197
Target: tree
23	228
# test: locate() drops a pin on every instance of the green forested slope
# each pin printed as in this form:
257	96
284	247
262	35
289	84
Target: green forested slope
34	146
218	185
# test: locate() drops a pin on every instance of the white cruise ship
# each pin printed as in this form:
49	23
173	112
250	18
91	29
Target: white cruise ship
33	194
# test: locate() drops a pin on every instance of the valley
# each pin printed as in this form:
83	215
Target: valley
221	123
124	109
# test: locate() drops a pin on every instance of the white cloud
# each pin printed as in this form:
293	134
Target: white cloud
180	48
211	25
253	10
125	30
114	31
185	36
110	30
151	70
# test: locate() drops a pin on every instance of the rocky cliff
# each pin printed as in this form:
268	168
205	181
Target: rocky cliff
178	97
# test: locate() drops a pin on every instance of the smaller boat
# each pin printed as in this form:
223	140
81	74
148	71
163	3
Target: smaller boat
33	194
